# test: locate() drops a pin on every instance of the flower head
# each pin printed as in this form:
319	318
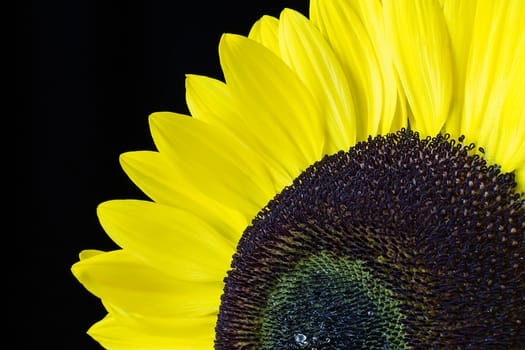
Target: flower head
356	182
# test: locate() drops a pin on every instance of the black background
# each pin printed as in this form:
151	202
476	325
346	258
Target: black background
88	75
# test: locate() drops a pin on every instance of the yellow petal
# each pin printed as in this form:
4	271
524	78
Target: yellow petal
304	49
460	23
421	47
165	184
509	141
89	253
494	116
280	116
356	33
125	281
112	334
175	241
266	32
210	100
220	166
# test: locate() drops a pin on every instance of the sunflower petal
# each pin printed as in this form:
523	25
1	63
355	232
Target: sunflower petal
122	279
266	32
218	165
460	24
163	183
175	241
309	55
494	106
210	100
356	33
89	253
113	334
421	47
157	177
279	114
509	142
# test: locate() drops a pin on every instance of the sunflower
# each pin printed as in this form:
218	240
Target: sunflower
355	182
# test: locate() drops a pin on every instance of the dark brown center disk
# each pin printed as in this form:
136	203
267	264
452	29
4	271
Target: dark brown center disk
438	234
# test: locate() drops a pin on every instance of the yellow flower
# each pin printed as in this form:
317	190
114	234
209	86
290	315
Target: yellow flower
300	92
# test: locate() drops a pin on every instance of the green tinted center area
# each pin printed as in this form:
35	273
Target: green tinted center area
328	302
